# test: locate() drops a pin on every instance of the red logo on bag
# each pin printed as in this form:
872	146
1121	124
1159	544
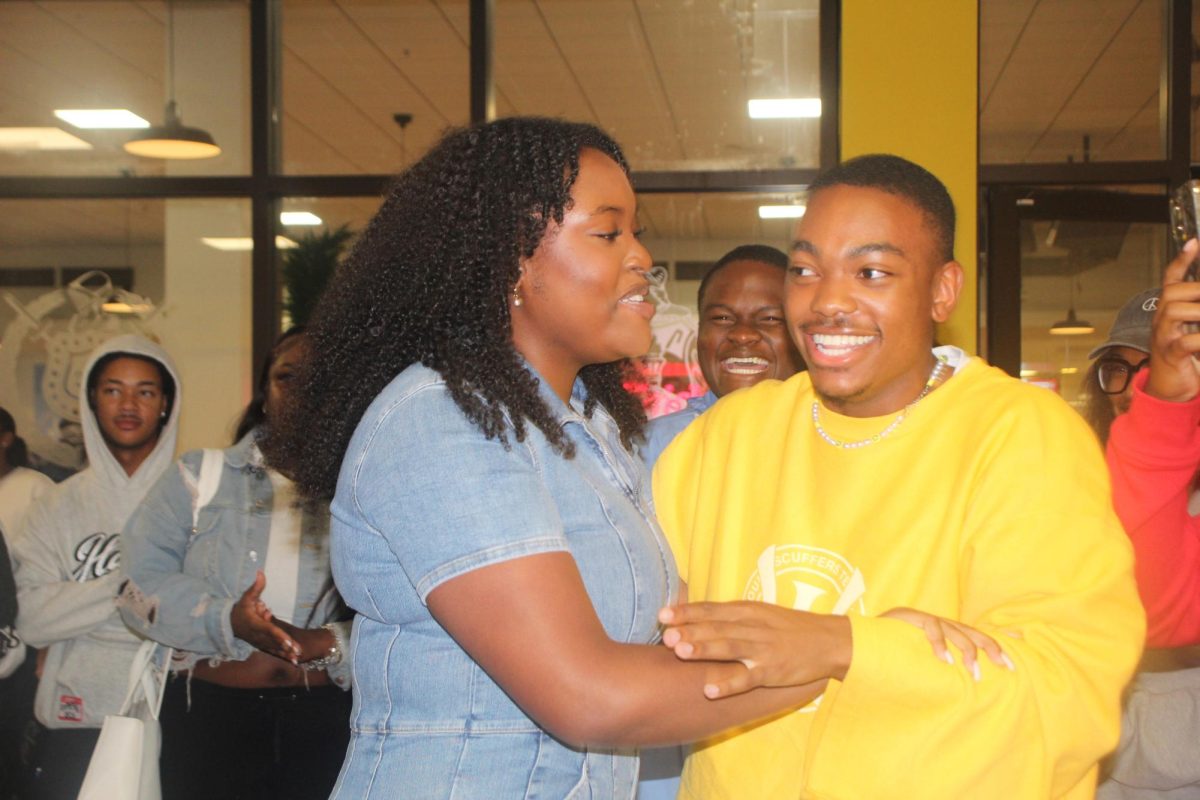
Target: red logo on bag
70	709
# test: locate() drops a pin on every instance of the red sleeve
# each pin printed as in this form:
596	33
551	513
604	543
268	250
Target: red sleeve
1153	455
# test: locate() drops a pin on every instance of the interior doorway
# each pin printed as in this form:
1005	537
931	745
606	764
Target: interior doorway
1060	263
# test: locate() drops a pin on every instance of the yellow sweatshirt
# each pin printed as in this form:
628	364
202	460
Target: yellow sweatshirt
989	504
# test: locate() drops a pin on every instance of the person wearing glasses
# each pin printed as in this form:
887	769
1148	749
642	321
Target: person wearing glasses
1151	380
1145	403
1108	385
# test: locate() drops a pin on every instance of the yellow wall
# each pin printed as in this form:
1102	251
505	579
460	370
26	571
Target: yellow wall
909	86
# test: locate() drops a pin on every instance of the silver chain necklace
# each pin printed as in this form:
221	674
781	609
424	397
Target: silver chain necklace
936	377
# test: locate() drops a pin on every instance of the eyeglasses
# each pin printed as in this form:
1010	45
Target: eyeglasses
1114	374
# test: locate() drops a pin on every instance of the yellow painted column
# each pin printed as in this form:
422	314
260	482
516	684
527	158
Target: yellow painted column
910	86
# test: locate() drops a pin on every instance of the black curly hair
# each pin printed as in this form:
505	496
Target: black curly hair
429	281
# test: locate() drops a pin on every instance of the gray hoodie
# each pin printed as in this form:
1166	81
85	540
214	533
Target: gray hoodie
68	566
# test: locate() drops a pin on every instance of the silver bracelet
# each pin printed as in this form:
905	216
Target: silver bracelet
331	658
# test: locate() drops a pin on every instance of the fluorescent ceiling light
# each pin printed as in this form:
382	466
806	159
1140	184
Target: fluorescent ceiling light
299	218
101	118
785	108
1069	370
781	212
40	139
243	243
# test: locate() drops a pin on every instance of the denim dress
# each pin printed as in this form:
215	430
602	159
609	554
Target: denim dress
424	497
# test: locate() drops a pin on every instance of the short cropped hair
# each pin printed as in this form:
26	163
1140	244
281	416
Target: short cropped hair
903	178
762	253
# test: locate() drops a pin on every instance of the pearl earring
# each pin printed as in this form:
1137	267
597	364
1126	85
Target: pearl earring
517	298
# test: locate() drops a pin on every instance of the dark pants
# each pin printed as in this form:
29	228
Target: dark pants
58	762
16	714
257	744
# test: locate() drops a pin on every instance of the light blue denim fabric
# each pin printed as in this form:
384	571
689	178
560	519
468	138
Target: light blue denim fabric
424	497
184	582
661	431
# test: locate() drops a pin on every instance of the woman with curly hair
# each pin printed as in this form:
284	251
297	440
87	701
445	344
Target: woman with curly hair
492	526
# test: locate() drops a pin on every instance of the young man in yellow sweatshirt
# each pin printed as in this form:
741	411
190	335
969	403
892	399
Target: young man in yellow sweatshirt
895	475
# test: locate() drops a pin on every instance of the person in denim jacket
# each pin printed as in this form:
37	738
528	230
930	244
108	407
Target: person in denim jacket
246	597
492	527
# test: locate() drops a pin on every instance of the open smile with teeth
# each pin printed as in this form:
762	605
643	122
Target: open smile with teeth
638	301
839	344
751	365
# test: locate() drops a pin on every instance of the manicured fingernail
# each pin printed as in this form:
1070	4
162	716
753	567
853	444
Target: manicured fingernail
665	615
949	659
670	637
976	673
1008	662
684	650
711	691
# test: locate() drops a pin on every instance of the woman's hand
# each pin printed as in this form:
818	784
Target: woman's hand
939	630
777	645
252	622
314	642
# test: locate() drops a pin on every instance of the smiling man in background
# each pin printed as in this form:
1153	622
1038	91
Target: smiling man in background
742	337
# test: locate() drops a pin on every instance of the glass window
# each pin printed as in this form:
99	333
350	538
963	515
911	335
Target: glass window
315	233
369	85
74	273
673	86
1081	271
58	56
1070	81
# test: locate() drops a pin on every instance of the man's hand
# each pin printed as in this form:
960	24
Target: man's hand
1174	373
252	622
778	646
939	630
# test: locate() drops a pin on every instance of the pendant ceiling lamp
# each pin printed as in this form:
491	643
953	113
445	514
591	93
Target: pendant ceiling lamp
1072	325
172	139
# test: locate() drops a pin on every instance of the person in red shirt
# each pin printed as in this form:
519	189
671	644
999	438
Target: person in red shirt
1148	410
1153	454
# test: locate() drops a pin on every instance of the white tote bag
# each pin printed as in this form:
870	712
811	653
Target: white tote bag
124	765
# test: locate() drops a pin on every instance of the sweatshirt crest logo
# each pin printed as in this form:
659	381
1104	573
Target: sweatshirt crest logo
96	556
806	579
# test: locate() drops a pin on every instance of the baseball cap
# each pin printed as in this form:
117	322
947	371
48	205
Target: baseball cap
1132	325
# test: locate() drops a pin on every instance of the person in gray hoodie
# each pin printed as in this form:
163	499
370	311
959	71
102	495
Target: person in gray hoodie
68	561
